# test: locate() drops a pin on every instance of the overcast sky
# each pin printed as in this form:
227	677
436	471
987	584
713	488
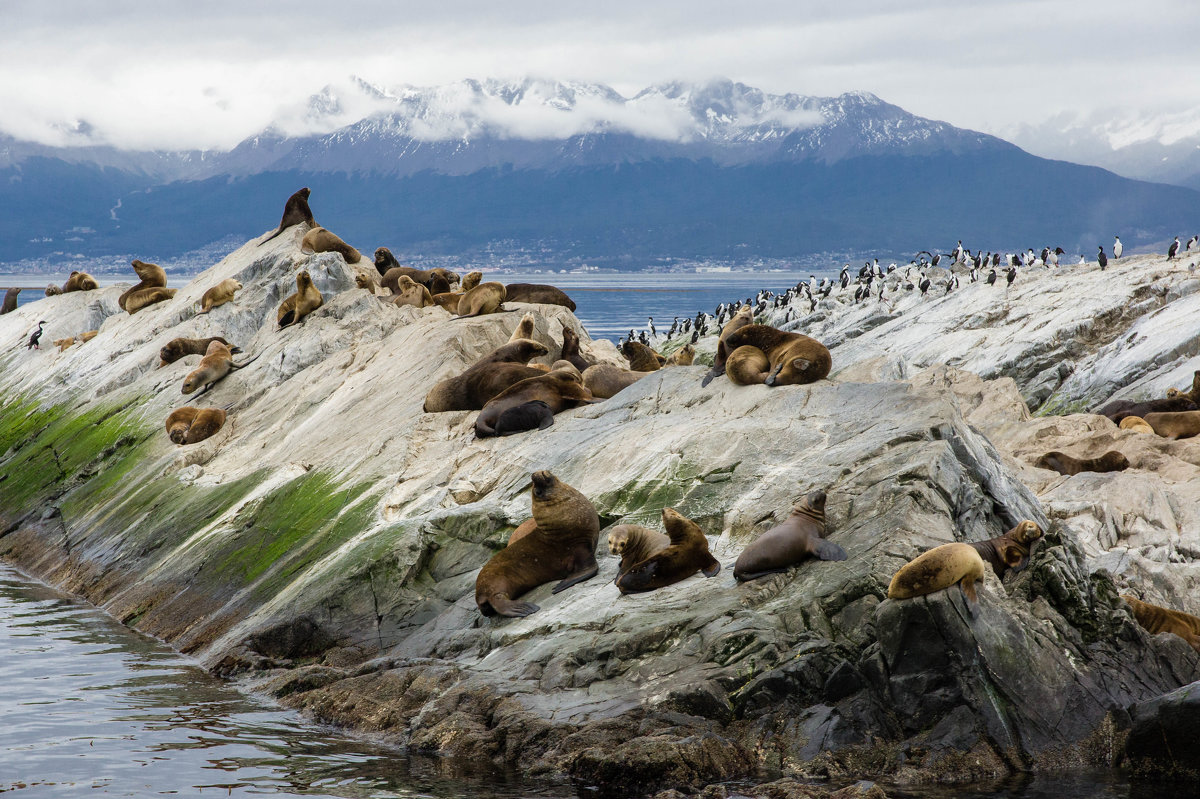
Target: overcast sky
172	75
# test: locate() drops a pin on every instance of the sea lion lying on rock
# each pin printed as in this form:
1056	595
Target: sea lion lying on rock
144	297
483	299
79	281
687	554
1063	463
800	537
219	294
188	425
633	544
410	292
940	567
532	415
684	356
1173	425
1119	409
559	390
320	240
1011	550
216	363
605	380
743	317
1135	423
641	358
763	354
1158	619
537	293
487	377
178	348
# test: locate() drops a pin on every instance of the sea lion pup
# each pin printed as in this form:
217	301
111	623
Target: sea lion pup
1119	409
559	390
470	281
1011	550
219	294
684	356
532	415
1063	463
295	211
800	537
1135	423
940	567
149	276
410	292
483	299
53	290
208	423
743	317
178	348
687	555
524	328
538	293
606	380
634	544
144	297
178	422
487	377
10	301
793	358
63	343
1178	424
570	349
299	305
79	281
641	358
320	240
447	300
562	546
216	363
1157	619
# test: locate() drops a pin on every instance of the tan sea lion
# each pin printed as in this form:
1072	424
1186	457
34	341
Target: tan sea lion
295	212
63	343
794	359
1193	393
532	415
800	537
79	281
216	363
537	293
10	301
524	328
178	422
606	380
219	294
1063	463
561	364
1135	423
1157	619
562	546
1174	425
448	300
633	544
1011	550
470	281
641	358
150	276
410	292
178	348
53	290
544	369
207	423
684	356
365	278
523	529
83	338
743	317
940	567
487	377
299	305
687	555
146	297
570	349
483	299
320	240
559	390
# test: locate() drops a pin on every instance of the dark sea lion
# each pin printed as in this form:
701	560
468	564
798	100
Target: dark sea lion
295	211
1135	423
562	546
178	348
538	293
1063	463
10	301
384	260
794	359
799	538
206	424
150	276
687	555
1157	619
532	415
641	358
299	305
145	297
320	240
178	422
523	529
560	390
940	567
79	281
570	349
1011	550
743	317
483	299
606	380
633	544
1119	409
219	294
474	388
1174	425
515	351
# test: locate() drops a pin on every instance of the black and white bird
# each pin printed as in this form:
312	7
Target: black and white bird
952	284
1117	247
924	284
34	337
1102	259
1191	243
1173	250
650	324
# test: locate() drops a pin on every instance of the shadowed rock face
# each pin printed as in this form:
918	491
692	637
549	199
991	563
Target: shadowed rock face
335	530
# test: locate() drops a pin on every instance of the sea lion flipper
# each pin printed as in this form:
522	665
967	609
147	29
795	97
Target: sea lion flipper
506	607
549	420
716	371
827	550
712	569
968	589
578	577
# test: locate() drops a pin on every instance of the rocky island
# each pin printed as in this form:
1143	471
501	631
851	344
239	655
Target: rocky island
324	544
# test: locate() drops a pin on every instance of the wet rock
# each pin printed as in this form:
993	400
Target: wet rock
1164	739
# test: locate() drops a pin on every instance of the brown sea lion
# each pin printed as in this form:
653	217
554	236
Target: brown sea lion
743	317
1157	619
515	351
150	276
483	299
178	422
145	297
684	356
523	529
561	364
470	281
794	359
532	415
83	338
687	555
1063	463
940	567
437	280
1174	425
365	278
562	546
207	423
606	380
634	544
320	240
487	377
799	538
524	328
447	300
1119	409
178	348
219	294
559	390
641	358
384	260
79	281
538	293
63	343
1011	550
410	292
299	305
1193	393
295	211
1135	423
570	349
53	290
216	363
10	301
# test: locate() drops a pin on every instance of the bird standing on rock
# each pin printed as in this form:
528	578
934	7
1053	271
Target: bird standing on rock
1012	275
1173	250
1102	258
1117	248
991	278
34	337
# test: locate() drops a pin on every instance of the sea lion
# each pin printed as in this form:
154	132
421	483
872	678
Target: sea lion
207	423
365	278
178	422
687	555
1119	409
1063	463
532	415
470	280
83	338
79	281
483	299
10	301
743	317
559	390
538	293
144	297
524	328
641	358
1173	425
561	364
1193	393
216	363
562	546
606	380
794	359
447	300
487	377
63	343
53	290
410	292
570	349
515	351
634	544
178	348
1135	423
150	276
320	240
523	529
799	538
299	305
437	280
1157	619
295	211
684	356
219	294
1011	550
938	568
384	260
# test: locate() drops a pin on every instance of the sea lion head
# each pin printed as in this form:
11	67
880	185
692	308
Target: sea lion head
1026	532
470	281
191	383
685	355
178	434
303	280
618	539
1173	392
544	484
674	520
815	501
384	260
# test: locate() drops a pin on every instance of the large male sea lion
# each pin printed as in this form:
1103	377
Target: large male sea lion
10	301
219	294
178	348
606	380
295	211
79	281
538	293
483	299
634	544
1063	463
940	567
320	240
150	276
145	297
1174	425
559	390
561	546
641	358
299	305
799	538
790	358
1157	619
687	555
487	377
1011	550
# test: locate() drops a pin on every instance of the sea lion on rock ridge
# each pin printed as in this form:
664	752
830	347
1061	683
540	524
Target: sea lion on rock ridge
63	343
320	240
1011	550
79	281
532	415
562	546
53	290
178	422
295	211
1157	619
299	305
794	359
216	363
524	328
1063	463
743	317
483	299
208	423
470	281
150	276
493	373
1174	425
1119	409
1135	423
800	537
10	301
606	380
559	390
570	349
448	301
641	358
538	293
633	544
409	292
145	297
938	568
219	294
684	356
687	555
178	348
